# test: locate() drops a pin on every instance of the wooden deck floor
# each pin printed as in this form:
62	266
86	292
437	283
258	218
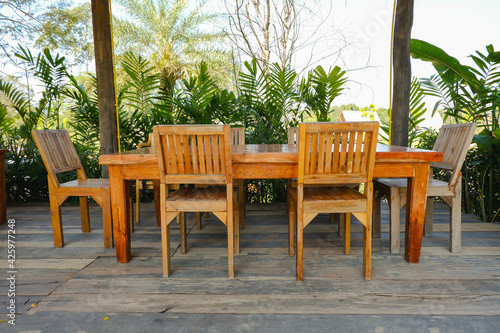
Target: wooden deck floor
81	287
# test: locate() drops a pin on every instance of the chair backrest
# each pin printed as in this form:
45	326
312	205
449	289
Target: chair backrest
337	152
58	153
150	143
237	135
193	154
293	135
454	142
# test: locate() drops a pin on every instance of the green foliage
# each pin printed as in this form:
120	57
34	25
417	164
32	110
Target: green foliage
52	72
68	30
417	112
172	36
470	94
269	102
320	89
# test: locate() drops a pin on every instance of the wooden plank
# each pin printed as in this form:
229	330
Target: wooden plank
321	303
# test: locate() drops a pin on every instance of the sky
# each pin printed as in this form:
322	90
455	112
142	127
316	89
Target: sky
459	27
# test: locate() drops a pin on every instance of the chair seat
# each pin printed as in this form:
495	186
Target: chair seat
198	199
87	183
333	199
435	187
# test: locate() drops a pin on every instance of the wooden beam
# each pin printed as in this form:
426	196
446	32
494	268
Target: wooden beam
103	47
402	73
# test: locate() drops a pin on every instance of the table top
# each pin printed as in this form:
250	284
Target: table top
269	152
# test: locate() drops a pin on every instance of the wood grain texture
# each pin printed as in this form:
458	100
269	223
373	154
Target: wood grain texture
84	278
272	161
59	156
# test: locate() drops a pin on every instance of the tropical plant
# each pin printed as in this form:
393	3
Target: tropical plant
169	33
200	101
470	94
416	117
52	72
320	89
69	30
269	99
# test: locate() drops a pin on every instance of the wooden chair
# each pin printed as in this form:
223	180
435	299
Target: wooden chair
237	137
453	141
335	154
140	184
149	185
293	135
195	154
59	155
293	138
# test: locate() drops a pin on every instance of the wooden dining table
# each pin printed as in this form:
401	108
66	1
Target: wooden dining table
270	161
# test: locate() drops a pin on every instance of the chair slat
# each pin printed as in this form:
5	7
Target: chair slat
293	135
215	150
314	153
328	152
201	154
358	154
208	153
321	152
350	152
187	153
341	152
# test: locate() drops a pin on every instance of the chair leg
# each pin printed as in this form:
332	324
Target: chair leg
156	194
198	220
367	249
137	201
236	221
299	256
456	220
84	214
165	245
377	215
341	226
291	226
230	246
230	223
395	220
243	208
242	203
107	223
57	229
428	225
347	232
455	226
183	232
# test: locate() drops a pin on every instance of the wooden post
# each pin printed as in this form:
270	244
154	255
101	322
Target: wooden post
402	73
103	47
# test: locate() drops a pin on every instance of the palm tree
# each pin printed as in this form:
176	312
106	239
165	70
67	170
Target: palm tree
174	35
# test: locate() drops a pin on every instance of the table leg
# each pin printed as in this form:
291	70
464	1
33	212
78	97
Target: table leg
120	213
416	199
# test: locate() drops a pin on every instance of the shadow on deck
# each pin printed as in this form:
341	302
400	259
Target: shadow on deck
81	287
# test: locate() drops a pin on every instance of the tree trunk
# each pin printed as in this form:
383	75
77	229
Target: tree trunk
108	132
402	73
